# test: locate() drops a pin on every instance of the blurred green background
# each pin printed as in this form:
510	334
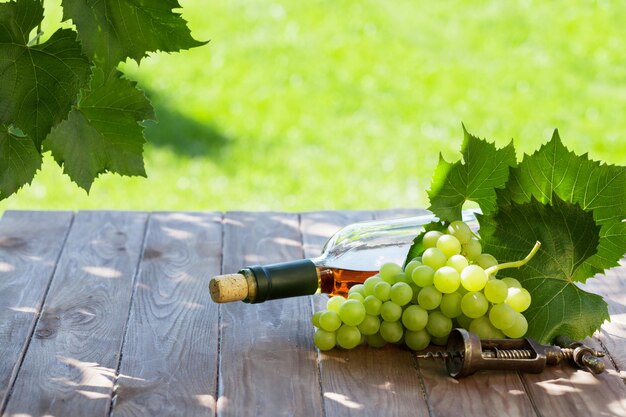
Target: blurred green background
331	104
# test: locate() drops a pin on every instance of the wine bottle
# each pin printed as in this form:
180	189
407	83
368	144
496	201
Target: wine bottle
349	257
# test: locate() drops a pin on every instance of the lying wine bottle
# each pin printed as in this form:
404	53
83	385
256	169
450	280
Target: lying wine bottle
350	256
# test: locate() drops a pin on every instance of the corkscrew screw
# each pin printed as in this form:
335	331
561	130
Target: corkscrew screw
466	353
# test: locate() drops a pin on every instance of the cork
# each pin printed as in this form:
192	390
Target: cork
229	287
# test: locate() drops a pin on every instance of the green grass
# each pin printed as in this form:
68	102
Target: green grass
346	105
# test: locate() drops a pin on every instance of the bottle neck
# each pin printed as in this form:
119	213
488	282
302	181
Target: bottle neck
283	280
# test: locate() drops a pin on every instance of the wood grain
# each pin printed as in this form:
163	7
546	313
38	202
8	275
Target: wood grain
70	365
267	364
30	244
612	287
361	381
169	359
486	393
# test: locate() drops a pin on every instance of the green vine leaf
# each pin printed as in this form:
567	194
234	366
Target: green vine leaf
573	205
19	161
103	134
482	170
112	30
39	83
569	236
553	171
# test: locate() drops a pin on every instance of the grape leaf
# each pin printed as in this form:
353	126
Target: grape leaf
112	30
482	170
554	171
19	161
103	132
39	83
569	236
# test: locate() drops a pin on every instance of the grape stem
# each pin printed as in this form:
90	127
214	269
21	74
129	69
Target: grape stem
515	264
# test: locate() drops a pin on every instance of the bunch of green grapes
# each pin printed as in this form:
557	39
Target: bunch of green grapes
452	284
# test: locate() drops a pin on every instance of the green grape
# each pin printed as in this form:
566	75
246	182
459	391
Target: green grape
408	269
335	302
474	304
414	318
369	325
370	283
315	318
430	238
446	279
352	312
375	340
439	341
429	298
423	276
348	337
438	325
434	258
519	327
518	298
356	296
451	305
389	270
449	245
390	311
502	316
511	282
485	260
464	321
460	230
417	340
324	340
382	290
495	291
473	278
329	320
391	331
457	262
402	277
372	305
462	290
416	290
484	329
401	293
358	288
472	249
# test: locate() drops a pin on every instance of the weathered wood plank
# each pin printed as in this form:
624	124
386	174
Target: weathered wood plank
398	213
30	244
488	393
361	381
612	286
169	358
267	359
70	364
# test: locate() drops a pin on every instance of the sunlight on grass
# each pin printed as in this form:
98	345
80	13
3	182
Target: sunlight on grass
338	104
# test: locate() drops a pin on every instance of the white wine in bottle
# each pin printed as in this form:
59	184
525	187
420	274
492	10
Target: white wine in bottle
350	256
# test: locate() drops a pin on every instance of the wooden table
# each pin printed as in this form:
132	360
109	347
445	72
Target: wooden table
107	313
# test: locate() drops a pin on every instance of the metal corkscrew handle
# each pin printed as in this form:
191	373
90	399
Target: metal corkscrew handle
466	353
583	356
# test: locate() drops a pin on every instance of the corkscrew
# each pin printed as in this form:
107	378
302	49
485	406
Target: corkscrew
466	353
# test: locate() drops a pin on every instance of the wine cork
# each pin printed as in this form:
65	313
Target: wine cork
229	287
